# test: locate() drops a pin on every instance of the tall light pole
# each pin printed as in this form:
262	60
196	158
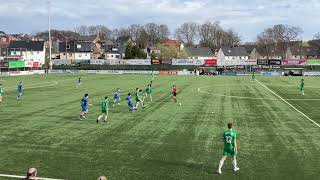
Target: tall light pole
49	29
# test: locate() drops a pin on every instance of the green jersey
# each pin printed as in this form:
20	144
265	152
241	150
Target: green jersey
302	84
138	98
229	138
149	90
1	91
104	105
253	76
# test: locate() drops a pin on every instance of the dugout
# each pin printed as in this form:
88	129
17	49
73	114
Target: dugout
292	72
205	70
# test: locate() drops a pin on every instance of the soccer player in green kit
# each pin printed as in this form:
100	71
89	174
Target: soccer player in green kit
253	76
1	92
302	87
152	74
230	147
104	110
138	98
149	92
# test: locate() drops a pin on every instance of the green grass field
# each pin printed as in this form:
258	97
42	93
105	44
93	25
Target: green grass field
166	141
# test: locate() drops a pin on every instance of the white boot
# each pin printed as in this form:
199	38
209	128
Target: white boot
235	167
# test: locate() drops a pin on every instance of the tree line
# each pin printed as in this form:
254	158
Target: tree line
208	34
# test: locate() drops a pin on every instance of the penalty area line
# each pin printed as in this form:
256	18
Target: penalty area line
289	104
15	176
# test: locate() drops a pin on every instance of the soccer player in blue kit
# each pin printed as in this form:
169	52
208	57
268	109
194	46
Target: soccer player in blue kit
20	90
84	106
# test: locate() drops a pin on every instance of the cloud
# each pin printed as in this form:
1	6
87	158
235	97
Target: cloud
247	17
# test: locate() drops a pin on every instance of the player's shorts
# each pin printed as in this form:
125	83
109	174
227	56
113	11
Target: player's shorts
231	151
174	94
149	94
104	110
116	97
130	104
139	100
301	88
84	108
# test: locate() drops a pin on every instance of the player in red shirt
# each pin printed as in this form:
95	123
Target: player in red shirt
174	93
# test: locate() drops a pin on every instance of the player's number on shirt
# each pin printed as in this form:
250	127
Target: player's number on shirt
228	139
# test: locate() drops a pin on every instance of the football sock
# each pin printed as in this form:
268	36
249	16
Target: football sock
221	164
234	162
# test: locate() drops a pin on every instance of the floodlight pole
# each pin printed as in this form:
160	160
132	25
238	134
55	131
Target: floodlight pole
49	29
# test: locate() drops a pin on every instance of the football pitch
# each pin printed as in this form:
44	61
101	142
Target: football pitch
278	129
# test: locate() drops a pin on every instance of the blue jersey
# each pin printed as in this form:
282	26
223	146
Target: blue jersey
84	102
130	101
20	88
117	95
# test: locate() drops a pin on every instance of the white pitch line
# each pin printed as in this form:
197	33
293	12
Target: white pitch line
253	98
51	83
37	178
289	104
238	97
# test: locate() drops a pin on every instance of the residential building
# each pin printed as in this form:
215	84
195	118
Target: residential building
75	51
112	52
176	43
199	52
231	56
252	51
32	52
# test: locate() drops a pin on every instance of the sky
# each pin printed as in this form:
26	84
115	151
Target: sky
247	17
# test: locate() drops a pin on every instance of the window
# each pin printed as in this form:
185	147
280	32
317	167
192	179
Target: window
111	55
118	56
68	46
64	54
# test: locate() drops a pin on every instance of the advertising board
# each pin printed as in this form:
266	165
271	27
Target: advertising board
16	64
188	62
294	62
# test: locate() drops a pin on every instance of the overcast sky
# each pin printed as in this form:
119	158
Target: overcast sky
247	17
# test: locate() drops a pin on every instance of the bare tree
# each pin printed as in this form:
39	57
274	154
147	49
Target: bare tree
232	38
142	40
134	31
82	30
210	35
280	33
163	32
94	30
153	33
277	38
187	33
103	31
317	36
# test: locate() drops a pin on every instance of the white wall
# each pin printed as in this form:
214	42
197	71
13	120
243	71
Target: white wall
223	60
112	56
31	56
82	56
200	57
